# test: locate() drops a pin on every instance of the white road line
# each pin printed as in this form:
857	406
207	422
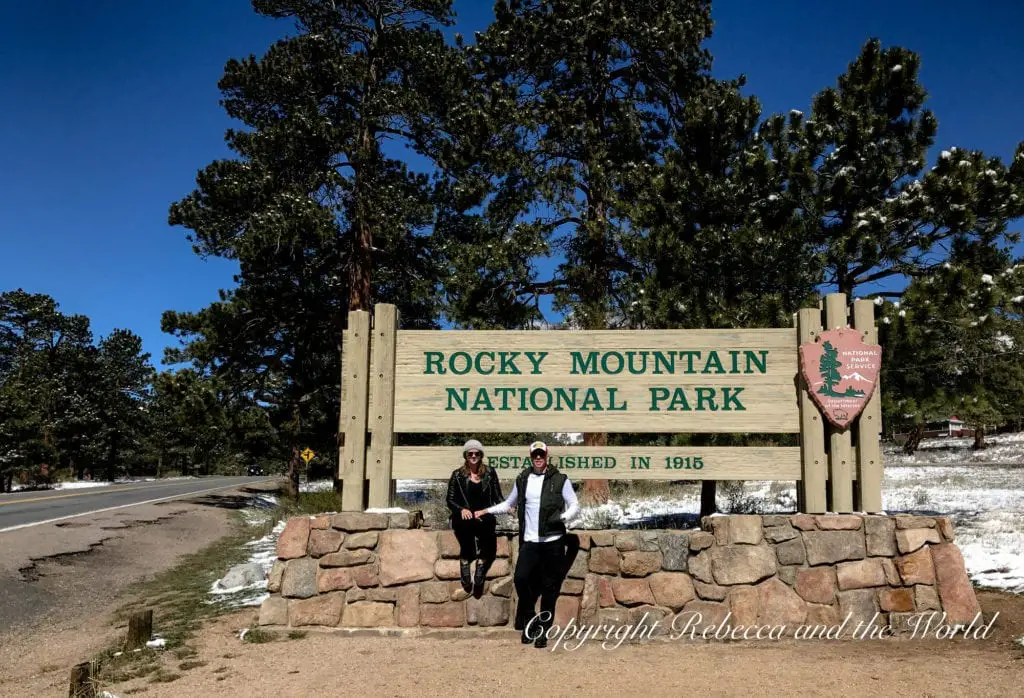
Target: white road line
121	506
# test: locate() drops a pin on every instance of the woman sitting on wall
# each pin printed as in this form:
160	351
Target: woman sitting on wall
472	487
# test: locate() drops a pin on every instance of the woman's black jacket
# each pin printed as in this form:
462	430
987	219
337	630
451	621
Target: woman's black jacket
457	488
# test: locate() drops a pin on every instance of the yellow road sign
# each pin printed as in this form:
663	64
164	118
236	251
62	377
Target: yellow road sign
307	455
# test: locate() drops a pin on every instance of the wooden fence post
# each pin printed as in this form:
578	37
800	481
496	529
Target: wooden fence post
382	412
353	460
840	451
869	424
812	431
140	629
81	682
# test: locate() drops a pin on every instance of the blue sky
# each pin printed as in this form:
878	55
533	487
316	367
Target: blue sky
112	107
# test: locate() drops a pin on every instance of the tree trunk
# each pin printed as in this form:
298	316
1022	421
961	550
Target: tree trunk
80	683
979	438
595	491
708	505
914	440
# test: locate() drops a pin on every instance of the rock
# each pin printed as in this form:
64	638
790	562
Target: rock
382	594
743	603
291	544
627	540
502	587
503	547
958	598
408	607
434	592
672	589
320	522
630	592
916	568
791	552
838	522
816	584
926	598
861	574
892	577
447	569
365	575
745	529
829	547
605	595
346	558
906	522
572	587
325	609
881	536
945	527
324	541
639	564
649	621
584	540
779	604
803	522
406	556
334	579
604	560
614	617
699	540
602	538
355	594
858	602
909	540
366	539
700	567
242	576
696	616
443	615
649	541
407	520
710	592
780	534
448	544
675	550
787	573
299	581
818	614
566	607
719	526
589	599
457	593
369	614
499	568
274	578
355	521
742	564
579	565
488	611
899	600
775	520
274	611
903	623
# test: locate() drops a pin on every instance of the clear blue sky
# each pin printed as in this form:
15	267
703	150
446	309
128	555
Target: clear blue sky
110	108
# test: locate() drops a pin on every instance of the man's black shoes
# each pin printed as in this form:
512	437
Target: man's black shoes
541	641
525	639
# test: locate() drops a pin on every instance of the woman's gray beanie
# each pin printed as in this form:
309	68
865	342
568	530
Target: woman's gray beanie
472	445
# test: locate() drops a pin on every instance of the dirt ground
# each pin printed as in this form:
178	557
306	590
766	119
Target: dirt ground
325	664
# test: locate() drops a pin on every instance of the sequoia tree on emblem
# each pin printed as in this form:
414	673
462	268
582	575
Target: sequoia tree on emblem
841	373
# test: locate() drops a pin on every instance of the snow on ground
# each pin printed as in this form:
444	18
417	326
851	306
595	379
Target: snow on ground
83	484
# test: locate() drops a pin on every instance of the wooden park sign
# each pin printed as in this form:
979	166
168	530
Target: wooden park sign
647	381
841	372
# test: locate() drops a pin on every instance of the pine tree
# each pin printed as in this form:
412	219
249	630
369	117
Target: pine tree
829	368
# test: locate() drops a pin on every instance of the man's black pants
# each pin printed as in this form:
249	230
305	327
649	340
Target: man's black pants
538	573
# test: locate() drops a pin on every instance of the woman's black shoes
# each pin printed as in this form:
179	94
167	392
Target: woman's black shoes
479	580
467	583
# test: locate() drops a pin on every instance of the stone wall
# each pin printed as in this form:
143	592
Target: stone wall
382	570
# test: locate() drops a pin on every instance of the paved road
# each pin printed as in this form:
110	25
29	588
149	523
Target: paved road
22	509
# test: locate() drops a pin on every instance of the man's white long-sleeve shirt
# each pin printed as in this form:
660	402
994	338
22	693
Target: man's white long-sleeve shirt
534	483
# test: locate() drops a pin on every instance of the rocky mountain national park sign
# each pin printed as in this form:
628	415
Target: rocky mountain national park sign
646	381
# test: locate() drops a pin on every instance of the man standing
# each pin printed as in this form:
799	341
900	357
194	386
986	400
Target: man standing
544	500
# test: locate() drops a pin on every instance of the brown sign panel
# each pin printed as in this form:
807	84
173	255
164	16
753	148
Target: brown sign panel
841	373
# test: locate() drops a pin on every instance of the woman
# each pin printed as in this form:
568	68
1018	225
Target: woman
471	488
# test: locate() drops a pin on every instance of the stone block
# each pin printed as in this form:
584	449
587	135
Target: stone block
881	536
945	528
916	568
791	552
858	602
742	564
650	621
602	538
448	543
320	522
334	579
369	614
382	594
488	611
958	598
787	573
407	609
503	547
274	578
816	584
274	611
649	541
589	600
502	587
803	522
838	522
911	539
898	600
904	522
579	567
639	564
406	520
406	556
365	539
293	541
572	587
699	567
604	560
299	580
443	615
346	558
605	595
769	520
356	521
324	541
630	592
780	534
499	568
614	617
325	610
699	540
365	575
447	569
584	539
861	574
779	604
926	598
434	592
627	540
675	550
566	607
672	589
829	547
710	592
892	577
698	615
355	594
744	529
744	605
719	527
457	593
819	615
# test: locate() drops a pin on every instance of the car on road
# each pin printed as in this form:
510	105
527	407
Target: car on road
255	470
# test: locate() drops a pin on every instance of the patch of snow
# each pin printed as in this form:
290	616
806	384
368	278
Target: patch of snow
986	279
156	644
316	486
387	510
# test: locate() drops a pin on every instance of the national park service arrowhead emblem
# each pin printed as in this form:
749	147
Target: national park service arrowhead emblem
841	372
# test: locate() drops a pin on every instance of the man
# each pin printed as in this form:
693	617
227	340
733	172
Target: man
544	500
